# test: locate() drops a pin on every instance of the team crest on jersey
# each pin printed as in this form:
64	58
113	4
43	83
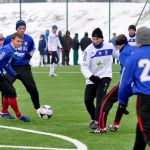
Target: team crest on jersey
99	63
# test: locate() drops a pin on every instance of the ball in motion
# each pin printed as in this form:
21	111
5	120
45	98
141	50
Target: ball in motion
45	112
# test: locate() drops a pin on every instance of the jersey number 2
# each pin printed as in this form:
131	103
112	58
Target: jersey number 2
145	74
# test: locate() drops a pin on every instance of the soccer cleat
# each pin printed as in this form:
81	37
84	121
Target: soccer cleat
7	115
94	125
24	118
91	123
99	131
112	128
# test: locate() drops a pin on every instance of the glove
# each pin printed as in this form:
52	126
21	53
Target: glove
95	79
27	56
123	109
50	53
13	60
18	76
2	77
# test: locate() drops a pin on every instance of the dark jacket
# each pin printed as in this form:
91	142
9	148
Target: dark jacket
42	47
68	42
76	43
85	42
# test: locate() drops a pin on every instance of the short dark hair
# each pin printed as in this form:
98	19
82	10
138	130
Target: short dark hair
16	34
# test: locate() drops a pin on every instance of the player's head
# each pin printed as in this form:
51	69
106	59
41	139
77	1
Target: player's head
121	40
132	30
17	39
54	28
21	26
143	36
97	36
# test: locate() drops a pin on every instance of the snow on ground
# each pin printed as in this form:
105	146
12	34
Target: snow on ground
82	17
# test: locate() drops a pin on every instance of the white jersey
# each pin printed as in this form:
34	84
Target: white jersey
53	42
131	40
98	61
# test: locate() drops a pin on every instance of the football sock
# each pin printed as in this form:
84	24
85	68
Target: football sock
5	105
13	103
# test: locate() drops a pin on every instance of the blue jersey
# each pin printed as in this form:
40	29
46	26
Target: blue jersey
27	47
136	75
6	54
127	50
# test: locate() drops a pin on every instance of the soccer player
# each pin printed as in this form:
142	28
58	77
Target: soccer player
125	51
20	63
136	80
9	92
132	35
53	45
96	67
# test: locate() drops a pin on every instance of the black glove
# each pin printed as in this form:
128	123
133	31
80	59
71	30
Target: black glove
123	109
95	79
2	77
13	60
27	56
18	76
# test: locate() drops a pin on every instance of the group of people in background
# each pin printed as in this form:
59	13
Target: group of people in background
66	44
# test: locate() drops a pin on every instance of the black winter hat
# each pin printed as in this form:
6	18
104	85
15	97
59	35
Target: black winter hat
97	33
20	23
121	39
132	27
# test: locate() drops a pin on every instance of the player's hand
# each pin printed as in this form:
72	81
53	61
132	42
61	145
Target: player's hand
61	49
95	79
123	109
18	76
27	56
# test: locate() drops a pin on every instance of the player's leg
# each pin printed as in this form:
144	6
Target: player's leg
56	60
89	96
143	112
5	103
139	140
30	85
108	102
100	94
10	95
51	72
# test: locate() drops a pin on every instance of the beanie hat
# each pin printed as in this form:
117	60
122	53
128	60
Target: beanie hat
143	35
132	27
97	33
54	27
121	39
20	23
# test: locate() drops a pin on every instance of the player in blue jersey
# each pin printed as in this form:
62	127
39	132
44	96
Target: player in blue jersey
20	63
9	92
125	51
136	80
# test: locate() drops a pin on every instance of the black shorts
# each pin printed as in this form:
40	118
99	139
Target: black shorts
143	113
7	88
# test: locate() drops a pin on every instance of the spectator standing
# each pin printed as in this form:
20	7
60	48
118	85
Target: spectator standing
85	42
46	38
42	47
75	47
62	42
67	48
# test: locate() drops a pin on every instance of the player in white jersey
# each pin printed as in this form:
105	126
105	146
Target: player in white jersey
96	67
132	35
53	45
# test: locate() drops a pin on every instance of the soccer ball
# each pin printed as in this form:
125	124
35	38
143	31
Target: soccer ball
45	112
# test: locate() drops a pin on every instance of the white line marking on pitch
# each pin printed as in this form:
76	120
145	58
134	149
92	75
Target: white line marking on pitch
78	144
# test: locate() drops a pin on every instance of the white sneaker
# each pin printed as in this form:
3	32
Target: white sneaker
55	75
